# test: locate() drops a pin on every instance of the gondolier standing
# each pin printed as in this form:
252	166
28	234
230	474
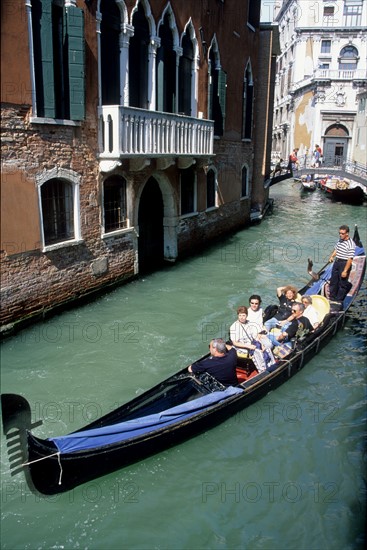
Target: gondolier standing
343	257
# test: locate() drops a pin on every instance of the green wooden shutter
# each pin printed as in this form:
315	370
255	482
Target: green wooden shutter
76	61
222	92
48	83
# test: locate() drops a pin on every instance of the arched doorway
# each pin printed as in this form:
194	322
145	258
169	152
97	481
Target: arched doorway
335	145
150	220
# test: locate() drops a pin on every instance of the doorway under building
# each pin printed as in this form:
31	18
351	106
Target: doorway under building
150	220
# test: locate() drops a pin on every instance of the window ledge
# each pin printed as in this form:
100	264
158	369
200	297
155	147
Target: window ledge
190	215
211	208
64	244
58	121
117	233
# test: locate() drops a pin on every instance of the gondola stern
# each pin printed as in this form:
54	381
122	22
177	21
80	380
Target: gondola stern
17	424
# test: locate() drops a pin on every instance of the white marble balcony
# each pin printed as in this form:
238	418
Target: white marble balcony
126	132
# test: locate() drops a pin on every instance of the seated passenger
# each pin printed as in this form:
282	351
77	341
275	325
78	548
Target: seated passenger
298	328
221	363
242	333
310	312
287	296
255	313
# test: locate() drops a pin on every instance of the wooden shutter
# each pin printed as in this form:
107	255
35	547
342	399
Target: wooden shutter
76	61
46	92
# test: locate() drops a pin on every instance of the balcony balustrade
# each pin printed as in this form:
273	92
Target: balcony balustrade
337	74
129	132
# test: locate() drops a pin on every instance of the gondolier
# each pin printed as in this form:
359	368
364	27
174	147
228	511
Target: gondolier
342	257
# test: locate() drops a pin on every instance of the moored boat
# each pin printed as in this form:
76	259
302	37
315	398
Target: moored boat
178	408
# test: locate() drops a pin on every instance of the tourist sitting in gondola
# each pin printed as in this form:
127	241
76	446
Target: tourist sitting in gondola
287	296
297	329
221	363
242	333
255	313
310	312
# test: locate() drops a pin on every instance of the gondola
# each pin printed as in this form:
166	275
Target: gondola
178	408
307	183
344	190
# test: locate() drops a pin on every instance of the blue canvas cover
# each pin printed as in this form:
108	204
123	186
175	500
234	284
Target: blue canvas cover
98	437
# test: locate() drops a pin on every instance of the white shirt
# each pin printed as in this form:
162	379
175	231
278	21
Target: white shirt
312	315
255	318
242	332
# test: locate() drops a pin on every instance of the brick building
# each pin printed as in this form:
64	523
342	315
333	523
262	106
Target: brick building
133	133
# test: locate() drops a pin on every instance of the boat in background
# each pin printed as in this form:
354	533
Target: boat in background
344	190
307	183
178	408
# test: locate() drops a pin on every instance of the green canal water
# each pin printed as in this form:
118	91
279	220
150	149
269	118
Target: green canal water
286	473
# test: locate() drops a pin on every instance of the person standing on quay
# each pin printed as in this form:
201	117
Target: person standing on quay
342	256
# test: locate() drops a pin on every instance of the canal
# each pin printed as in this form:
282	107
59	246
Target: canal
286	473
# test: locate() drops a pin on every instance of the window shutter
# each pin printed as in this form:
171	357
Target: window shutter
222	92
46	44
76	62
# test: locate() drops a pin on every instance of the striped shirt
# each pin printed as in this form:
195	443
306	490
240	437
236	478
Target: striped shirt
345	249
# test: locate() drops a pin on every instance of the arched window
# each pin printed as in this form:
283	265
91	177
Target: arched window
138	60
217	91
185	76
244	182
348	58
57	201
211	189
114	204
110	53
247	105
166	68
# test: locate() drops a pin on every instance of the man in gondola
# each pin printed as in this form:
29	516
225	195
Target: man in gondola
221	363
342	257
295	329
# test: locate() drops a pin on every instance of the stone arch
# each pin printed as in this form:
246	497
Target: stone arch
172	23
148	14
170	214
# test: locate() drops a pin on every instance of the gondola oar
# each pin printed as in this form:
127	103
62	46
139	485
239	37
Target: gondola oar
315	276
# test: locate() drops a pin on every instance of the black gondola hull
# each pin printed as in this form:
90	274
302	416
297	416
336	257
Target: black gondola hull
49	471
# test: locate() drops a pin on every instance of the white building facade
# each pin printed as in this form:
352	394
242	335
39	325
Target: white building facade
321	73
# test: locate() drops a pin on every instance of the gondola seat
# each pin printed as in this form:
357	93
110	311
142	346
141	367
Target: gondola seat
321	304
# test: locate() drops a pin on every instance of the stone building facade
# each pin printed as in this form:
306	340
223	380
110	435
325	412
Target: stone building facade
321	72
133	133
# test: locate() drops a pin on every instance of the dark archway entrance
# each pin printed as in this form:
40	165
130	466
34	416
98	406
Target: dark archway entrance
150	222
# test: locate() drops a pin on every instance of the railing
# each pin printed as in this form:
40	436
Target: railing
331	74
127	131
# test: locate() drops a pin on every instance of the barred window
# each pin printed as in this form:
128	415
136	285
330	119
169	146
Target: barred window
188	191
114	204
245	182
57	211
211	190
